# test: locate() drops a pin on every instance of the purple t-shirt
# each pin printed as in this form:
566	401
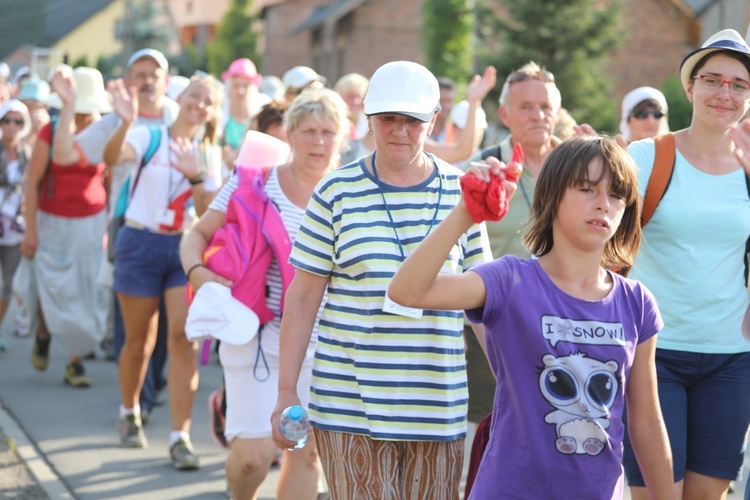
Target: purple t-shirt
561	364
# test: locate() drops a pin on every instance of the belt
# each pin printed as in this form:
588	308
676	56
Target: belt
141	227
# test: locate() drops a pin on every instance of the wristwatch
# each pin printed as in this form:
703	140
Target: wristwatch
198	179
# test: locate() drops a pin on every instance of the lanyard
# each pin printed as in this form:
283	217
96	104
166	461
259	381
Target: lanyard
388	210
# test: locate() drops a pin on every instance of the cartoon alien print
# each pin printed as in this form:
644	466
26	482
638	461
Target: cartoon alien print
582	390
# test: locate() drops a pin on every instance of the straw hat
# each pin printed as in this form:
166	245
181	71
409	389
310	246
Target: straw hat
91	97
723	40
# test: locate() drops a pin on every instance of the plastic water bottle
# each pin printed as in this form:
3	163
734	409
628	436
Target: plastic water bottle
294	425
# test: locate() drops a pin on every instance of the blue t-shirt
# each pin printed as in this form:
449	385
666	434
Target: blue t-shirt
692	255
561	365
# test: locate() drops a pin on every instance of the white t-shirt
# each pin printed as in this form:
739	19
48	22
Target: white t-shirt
162	196
11	198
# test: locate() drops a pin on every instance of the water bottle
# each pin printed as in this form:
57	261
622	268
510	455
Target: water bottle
294	425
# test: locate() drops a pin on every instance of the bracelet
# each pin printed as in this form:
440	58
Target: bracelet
198	179
193	268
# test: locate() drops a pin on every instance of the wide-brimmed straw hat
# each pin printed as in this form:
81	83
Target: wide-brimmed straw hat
723	40
91	96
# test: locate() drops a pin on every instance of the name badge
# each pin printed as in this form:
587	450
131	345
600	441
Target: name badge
165	217
391	307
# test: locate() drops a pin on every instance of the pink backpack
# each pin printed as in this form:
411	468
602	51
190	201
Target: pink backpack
242	249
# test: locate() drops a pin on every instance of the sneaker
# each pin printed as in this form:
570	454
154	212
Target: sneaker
145	415
75	375
183	456
40	353
131	432
216	418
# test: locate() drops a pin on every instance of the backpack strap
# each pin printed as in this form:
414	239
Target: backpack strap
153	145
492	151
661	175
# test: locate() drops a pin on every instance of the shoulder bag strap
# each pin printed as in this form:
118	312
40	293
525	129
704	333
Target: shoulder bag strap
661	174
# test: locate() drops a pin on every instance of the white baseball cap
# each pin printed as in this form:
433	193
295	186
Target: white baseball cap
154	54
215	313
301	76
403	88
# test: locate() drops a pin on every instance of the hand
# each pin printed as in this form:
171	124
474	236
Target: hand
123	102
740	134
187	157
284	401
480	86
583	129
29	244
229	155
202	275
64	85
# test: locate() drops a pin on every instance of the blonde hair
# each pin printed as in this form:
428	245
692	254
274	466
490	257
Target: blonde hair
568	166
319	102
353	81
212	126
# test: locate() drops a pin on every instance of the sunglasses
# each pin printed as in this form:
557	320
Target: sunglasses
17	121
521	76
642	114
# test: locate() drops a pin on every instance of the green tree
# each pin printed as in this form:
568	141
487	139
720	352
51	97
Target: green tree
680	109
447	36
572	39
235	38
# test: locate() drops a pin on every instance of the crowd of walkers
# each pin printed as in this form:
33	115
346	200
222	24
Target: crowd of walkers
577	298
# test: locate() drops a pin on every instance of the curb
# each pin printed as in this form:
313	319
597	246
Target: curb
47	479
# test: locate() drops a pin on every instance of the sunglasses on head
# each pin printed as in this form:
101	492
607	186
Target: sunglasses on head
17	121
521	76
642	114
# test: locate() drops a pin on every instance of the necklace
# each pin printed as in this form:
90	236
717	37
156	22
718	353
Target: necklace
381	175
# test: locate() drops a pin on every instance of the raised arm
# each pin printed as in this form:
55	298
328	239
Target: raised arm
463	149
126	106
646	429
301	306
740	134
64	151
187	160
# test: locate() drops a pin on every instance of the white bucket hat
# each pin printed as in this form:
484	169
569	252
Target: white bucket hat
633	99
215	313
19	107
403	88
91	96
460	115
723	40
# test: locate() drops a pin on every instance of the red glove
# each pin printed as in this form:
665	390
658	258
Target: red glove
489	200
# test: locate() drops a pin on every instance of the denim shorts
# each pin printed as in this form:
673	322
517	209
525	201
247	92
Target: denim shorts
147	263
705	400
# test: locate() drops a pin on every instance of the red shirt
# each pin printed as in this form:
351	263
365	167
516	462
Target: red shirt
77	190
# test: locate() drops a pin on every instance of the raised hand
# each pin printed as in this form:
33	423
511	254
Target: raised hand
480	86
64	85
186	157
740	134
123	102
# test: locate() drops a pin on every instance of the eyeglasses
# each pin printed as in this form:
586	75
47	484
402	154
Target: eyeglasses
522	76
17	121
642	114
736	87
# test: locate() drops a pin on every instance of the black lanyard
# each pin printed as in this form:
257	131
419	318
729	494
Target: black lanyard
388	210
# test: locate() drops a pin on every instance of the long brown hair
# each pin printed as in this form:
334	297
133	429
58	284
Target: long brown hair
568	166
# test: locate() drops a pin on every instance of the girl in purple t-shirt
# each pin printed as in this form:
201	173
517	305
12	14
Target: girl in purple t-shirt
568	340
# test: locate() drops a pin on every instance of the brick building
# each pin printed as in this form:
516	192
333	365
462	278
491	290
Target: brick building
341	36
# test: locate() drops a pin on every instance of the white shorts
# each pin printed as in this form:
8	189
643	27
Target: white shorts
252	385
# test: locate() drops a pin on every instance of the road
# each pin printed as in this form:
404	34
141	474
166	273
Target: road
59	442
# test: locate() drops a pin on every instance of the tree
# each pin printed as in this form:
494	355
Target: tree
571	39
235	38
680	110
447	36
